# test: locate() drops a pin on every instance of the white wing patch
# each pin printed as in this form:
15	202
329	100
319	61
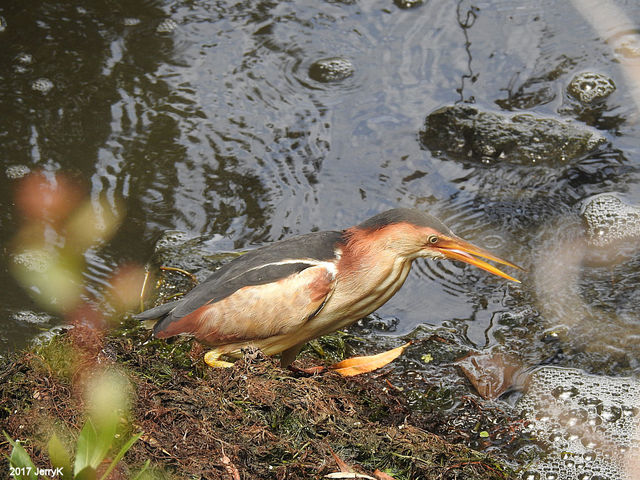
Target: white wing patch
329	266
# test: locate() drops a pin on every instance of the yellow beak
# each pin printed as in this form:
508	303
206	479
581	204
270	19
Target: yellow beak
458	249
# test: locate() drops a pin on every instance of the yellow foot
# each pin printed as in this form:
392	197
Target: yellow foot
212	359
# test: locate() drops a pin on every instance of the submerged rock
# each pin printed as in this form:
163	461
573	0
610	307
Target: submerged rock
331	69
590	87
465	133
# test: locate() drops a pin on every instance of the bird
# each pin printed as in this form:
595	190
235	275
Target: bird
280	296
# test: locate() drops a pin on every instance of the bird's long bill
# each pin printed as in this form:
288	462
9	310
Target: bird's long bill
458	249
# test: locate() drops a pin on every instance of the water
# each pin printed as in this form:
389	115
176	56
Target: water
203	117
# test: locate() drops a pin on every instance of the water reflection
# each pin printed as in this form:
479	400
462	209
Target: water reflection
203	118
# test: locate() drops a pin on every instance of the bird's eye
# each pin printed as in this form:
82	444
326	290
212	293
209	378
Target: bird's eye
432	239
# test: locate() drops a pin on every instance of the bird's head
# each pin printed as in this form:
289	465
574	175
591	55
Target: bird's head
412	234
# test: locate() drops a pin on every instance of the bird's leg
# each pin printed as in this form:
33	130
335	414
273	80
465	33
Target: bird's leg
288	356
212	359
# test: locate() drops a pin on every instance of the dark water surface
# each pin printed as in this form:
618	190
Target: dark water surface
201	116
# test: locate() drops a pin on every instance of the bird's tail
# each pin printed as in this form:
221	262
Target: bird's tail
156	312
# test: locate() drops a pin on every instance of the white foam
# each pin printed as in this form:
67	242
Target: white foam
590	423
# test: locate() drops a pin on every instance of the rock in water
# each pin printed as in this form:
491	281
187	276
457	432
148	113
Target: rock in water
463	132
588	87
331	69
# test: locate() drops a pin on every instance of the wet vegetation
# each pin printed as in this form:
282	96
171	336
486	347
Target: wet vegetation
254	420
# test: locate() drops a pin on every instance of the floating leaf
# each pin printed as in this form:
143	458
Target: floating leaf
357	365
491	373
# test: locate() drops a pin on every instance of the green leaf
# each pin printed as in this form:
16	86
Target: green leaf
20	459
84	447
59	456
427	358
121	454
93	444
106	436
484	434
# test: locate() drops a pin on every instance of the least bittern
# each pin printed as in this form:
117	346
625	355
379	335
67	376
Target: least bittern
280	296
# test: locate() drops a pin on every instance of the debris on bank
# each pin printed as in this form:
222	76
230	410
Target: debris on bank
252	421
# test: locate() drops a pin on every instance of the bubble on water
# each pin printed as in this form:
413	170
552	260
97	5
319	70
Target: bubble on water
166	26
24	58
131	22
171	238
406	4
34	318
609	219
589	87
331	69
589	422
42	85
14	172
564	392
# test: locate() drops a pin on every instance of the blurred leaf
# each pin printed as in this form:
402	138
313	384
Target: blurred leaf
92	222
84	446
87	473
357	365
41	197
59	456
20	459
107	399
125	291
427	358
53	279
93	445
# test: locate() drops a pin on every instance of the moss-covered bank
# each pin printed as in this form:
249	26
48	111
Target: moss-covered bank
252	421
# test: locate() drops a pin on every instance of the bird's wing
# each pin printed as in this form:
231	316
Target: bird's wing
259	294
247	270
258	309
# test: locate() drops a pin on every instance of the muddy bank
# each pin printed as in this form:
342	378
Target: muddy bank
254	420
